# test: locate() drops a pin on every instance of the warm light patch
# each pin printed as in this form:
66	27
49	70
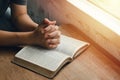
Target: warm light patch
98	14
110	6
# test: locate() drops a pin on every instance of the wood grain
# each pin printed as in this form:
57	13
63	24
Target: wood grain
66	13
92	64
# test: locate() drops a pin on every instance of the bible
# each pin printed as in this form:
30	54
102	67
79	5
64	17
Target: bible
48	62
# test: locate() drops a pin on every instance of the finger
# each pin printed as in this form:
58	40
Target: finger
47	21
51	46
53	41
55	34
51	28
39	30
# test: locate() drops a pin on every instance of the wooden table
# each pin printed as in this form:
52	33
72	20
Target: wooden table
93	64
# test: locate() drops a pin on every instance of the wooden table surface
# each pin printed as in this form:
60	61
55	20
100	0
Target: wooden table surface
93	64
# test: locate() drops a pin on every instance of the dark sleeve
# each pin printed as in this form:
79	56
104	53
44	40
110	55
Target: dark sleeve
21	2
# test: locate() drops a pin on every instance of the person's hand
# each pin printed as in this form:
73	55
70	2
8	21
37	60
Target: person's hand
48	37
52	34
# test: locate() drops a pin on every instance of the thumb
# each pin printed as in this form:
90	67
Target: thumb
47	21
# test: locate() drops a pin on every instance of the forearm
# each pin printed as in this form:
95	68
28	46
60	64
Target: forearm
24	23
14	38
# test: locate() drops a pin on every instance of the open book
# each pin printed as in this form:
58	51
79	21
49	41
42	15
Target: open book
48	62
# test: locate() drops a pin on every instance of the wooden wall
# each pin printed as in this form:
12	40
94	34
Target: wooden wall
65	13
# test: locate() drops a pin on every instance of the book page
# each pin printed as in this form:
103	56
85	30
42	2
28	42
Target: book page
48	59
70	46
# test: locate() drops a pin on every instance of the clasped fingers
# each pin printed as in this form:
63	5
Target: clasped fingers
51	28
53	43
54	34
53	39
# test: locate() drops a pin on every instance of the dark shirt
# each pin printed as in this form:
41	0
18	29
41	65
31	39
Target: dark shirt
5	3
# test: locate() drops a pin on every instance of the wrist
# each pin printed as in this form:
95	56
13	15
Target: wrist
23	38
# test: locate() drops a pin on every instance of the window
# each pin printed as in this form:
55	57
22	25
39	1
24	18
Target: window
110	6
98	9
